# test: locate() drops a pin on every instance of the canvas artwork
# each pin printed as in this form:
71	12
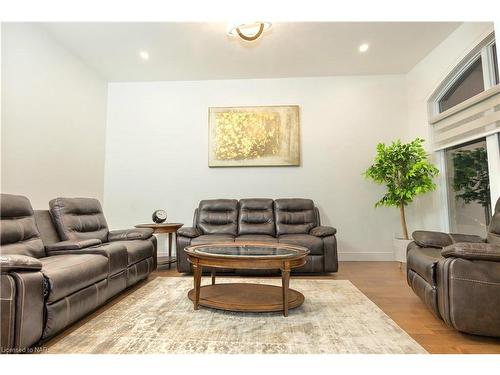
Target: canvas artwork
254	136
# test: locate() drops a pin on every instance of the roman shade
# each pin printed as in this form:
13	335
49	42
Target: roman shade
474	118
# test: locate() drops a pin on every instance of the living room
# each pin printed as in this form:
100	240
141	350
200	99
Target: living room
283	186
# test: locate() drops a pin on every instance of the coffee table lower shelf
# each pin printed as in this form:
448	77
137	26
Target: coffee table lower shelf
246	297
164	260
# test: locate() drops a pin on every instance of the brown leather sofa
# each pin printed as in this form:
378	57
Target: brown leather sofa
57	266
292	221
458	277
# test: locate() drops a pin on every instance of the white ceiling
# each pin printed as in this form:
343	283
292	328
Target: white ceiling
198	51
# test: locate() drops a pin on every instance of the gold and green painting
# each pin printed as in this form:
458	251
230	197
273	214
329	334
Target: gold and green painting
254	136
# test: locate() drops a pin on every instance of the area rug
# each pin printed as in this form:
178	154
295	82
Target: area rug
159	318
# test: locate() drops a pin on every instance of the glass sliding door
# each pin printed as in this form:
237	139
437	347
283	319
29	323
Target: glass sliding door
468	187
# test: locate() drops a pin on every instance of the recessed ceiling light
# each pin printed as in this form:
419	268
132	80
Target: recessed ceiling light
144	55
364	47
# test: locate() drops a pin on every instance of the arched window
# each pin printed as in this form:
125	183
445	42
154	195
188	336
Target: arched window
465	121
468	84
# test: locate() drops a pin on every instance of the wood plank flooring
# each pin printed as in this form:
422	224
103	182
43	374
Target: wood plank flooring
385	284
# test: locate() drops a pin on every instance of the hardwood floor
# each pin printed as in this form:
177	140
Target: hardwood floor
385	284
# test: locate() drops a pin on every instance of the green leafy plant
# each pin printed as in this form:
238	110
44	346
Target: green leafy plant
405	170
471	181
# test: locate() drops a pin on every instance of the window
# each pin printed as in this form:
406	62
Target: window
476	73
467	85
468	188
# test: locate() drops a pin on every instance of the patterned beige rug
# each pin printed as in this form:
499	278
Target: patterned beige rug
158	318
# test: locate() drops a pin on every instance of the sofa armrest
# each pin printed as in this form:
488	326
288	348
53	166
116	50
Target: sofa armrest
458	237
439	240
472	251
323	231
130	234
426	238
189	232
22	308
72	245
14	262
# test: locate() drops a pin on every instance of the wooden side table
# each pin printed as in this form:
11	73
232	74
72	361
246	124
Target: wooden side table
170	229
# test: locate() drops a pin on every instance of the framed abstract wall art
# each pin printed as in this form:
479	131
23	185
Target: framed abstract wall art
254	136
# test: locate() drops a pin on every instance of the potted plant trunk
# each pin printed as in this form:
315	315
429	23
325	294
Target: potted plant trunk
405	170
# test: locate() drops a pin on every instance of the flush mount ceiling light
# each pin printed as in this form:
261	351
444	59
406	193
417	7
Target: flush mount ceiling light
144	55
248	31
364	47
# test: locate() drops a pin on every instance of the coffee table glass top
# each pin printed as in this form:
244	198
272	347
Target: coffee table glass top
245	250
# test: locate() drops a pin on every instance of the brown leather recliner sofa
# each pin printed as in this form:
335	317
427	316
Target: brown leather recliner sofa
59	265
292	221
458	277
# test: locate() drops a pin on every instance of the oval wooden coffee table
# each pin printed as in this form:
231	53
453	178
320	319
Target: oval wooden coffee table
245	296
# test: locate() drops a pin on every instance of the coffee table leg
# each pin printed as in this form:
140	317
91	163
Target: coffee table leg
197	284
285	280
169	250
213	277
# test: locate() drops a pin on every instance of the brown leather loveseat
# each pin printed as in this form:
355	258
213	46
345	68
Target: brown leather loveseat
59	265
293	221
458	277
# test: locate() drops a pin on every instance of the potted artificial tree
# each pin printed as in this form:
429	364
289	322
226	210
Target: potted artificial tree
471	181
406	172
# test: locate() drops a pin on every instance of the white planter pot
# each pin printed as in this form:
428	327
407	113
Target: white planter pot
399	247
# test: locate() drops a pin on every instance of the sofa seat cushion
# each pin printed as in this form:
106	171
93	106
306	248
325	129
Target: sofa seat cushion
212	238
137	250
256	238
67	274
314	244
423	261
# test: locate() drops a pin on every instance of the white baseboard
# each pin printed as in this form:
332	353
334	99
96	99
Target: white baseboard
370	257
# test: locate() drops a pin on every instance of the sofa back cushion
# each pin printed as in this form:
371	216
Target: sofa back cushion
256	216
79	219
218	216
19	233
494	228
294	216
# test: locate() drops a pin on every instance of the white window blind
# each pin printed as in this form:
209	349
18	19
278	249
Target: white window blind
476	117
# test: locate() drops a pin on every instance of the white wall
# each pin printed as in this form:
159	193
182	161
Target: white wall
422	81
53	119
157	151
